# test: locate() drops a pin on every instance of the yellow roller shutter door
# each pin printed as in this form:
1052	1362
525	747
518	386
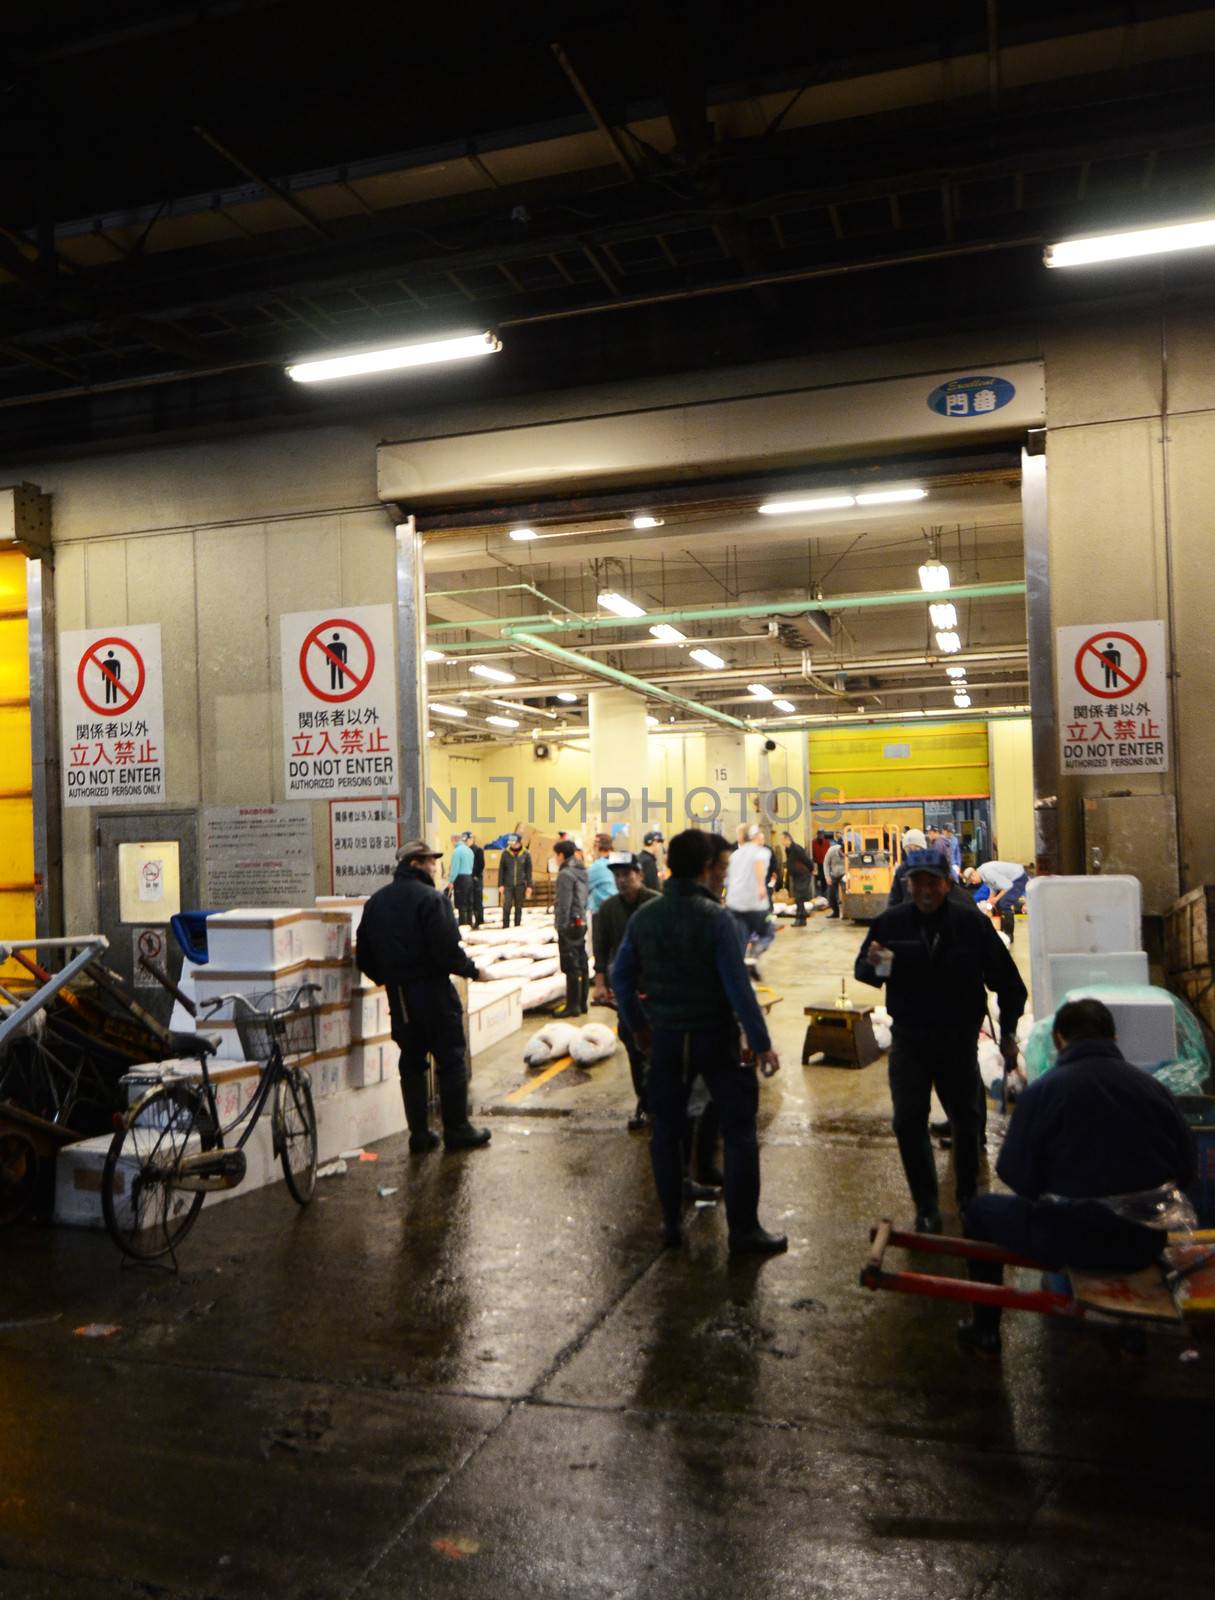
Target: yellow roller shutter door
934	761
16	800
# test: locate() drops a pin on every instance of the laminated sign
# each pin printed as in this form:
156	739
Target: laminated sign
339	703
1113	698
111	698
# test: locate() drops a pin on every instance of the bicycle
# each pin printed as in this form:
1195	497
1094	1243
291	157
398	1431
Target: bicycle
168	1150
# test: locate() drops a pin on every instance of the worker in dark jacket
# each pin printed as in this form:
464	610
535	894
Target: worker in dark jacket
514	879
569	914
938	960
478	880
650	875
607	934
682	951
800	870
409	942
1092	1129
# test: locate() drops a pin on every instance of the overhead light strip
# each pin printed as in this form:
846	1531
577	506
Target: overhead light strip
395	358
1135	242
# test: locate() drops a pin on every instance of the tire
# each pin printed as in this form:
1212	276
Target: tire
145	1216
295	1133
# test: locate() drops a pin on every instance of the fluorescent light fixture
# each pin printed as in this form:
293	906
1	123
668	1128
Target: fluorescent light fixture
821	502
961	699
948	643
432	656
611	601
644	520
503	722
934	576
494	674
943	615
956	672
784	705
761	691
522	535
890	497
568	696
707	658
395	358
528	711
652	722
1137	242
664	632
436	710
430	733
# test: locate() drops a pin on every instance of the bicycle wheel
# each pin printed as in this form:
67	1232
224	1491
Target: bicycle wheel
146	1214
295	1133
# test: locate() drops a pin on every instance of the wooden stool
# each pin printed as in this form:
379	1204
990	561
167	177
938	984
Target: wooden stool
842	1034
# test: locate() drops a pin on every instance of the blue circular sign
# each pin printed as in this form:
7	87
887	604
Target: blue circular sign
971	397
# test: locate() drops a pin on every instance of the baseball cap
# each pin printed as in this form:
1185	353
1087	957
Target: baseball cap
466	835
416	850
653	838
623	859
930	861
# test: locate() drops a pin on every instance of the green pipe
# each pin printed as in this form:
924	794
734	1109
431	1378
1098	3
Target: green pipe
774	608
600	669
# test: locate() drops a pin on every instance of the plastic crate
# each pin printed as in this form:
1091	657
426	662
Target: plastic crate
1199	1112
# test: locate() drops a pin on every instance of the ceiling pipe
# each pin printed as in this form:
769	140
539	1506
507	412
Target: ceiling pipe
600	669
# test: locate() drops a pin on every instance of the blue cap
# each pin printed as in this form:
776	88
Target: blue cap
930	861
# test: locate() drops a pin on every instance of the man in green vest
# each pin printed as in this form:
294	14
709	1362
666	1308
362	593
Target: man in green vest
682	952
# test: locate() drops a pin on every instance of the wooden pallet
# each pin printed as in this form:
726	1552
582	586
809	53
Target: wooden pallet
1189	931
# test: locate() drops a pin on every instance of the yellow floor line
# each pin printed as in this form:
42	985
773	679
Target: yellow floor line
532	1084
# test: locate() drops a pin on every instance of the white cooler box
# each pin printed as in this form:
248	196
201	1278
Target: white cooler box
263	940
1078	916
1146	1024
495	1010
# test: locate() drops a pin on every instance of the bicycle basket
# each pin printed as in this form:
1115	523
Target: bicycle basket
266	1020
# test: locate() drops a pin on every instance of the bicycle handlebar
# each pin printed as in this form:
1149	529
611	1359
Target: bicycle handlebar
209	1007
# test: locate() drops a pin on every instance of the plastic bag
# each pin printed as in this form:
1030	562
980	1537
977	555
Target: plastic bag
1188	1073
1165	1207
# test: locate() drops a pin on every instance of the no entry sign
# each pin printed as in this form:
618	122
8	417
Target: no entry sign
1113	698
112	707
339	702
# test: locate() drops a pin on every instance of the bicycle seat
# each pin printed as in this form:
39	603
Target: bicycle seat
195	1044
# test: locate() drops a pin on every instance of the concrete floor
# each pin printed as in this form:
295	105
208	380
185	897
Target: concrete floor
494	1383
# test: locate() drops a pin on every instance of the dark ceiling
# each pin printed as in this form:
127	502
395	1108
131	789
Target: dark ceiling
194	194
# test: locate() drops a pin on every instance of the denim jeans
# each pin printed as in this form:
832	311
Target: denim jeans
676	1058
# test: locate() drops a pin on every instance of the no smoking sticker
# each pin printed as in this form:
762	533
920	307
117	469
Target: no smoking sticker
1113	698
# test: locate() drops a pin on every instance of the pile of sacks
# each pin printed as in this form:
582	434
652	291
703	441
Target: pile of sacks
527	954
588	1044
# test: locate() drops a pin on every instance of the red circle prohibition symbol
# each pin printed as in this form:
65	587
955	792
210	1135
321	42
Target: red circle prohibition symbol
1127	681
130	696
314	638
151	944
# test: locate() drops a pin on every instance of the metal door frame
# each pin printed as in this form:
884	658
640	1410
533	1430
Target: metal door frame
130	827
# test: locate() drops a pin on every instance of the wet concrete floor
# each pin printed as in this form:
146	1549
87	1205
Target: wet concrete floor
494	1382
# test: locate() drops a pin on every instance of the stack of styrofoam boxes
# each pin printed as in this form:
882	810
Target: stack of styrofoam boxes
1085	938
372	1055
494	1010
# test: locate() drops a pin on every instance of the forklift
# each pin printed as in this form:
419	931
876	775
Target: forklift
871	855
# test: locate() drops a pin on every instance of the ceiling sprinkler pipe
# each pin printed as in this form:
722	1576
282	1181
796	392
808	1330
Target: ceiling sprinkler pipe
600	669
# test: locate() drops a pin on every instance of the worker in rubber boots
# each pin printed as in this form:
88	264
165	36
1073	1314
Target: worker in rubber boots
569	915
408	941
682	951
937	961
607	934
1089	1147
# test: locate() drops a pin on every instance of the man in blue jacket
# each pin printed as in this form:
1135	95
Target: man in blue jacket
682	951
1093	1129
460	876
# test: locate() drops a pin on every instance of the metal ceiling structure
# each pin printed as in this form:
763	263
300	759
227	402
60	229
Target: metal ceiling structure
194	196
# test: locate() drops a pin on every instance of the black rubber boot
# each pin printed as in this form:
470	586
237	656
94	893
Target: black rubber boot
458	1131
584	991
573	991
415	1091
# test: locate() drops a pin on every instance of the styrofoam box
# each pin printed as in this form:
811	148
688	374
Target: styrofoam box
335	980
495	1010
1071	971
266	939
235	1086
344	1120
371	1061
369	1014
332	1028
1146	1024
1079	916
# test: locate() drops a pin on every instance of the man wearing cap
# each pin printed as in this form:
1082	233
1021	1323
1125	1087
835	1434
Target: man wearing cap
650	875
600	884
514	879
607	932
1007	881
409	942
937	961
460	877
478	880
569	915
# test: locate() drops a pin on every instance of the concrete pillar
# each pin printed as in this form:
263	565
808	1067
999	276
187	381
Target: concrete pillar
619	766
726	777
